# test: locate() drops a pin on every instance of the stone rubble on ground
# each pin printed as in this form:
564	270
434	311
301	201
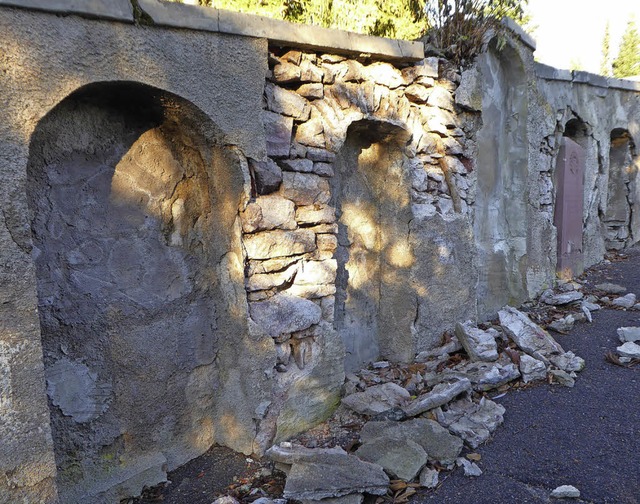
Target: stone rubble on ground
628	301
629	350
631	334
418	421
565	492
611	288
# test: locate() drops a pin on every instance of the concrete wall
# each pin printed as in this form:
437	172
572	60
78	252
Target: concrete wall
209	218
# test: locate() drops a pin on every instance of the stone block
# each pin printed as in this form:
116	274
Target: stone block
269	212
317	272
279	243
278	130
284	314
315	215
180	15
305	189
285	102
267	175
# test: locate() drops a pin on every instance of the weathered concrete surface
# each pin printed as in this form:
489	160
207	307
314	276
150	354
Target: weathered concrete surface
121	10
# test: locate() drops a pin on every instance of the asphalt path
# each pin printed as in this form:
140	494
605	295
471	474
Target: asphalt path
587	436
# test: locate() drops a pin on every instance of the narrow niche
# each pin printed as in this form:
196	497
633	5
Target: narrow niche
619	212
124	192
569	202
372	199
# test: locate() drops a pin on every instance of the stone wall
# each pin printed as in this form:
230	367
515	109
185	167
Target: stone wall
204	228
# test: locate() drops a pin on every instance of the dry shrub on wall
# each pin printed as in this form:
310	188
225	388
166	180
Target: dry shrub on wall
458	27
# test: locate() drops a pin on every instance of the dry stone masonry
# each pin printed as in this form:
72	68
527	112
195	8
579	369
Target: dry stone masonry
210	220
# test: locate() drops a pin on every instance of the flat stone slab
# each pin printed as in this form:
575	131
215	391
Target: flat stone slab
437	441
627	301
439	395
530	337
285	314
334	475
629	349
629	334
480	345
563	298
402	458
611	288
120	10
473	422
377	399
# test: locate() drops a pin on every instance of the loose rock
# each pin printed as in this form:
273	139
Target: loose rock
625	301
532	369
565	492
441	394
561	299
631	334
479	345
477	421
611	288
562	377
377	399
629	349
470	468
428	478
400	458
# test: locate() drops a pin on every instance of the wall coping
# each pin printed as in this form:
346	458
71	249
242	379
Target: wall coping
194	17
547	72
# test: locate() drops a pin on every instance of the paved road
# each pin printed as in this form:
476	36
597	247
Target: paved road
587	436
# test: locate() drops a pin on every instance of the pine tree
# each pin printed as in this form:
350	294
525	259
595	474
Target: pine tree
627	63
605	65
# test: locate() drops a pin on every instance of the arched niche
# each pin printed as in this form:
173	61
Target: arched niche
371	194
132	208
622	174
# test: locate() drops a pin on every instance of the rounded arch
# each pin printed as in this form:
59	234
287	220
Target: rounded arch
132	204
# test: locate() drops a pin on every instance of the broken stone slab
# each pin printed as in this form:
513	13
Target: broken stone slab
279	243
532	369
267	175
227	499
479	345
568	361
334	475
440	445
589	305
631	334
401	458
611	288
529	337
284	314
587	313
477	422
563	325
488	376
563	378
629	349
439	395
565	492
289	453
471	469
626	301
347	499
269	212
448	348
377	399
561	299
428	478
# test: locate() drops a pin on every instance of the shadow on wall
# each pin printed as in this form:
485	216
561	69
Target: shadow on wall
620	215
371	194
132	209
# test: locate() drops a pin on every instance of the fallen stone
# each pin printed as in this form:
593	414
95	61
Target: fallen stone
227	499
563	325
529	337
289	453
377	399
479	345
562	377
625	301
568	361
355	498
565	492
477	422
629	349
590	305
334	475
587	313
448	348
631	334
428	478
611	288
532	369
561	299
439	395
393	414
485	376
440	445
284	314
400	458
470	468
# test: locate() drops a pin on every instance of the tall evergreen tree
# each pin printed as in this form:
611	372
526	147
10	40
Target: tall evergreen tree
627	63
605	64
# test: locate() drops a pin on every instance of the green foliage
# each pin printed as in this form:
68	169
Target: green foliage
576	64
627	64
605	64
458	27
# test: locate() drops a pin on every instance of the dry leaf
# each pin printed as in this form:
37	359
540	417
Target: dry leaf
474	456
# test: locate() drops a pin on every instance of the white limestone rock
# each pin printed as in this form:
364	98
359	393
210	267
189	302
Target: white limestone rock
479	345
565	492
629	349
377	399
532	369
631	334
627	301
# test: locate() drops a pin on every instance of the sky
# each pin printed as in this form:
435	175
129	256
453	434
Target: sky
572	30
